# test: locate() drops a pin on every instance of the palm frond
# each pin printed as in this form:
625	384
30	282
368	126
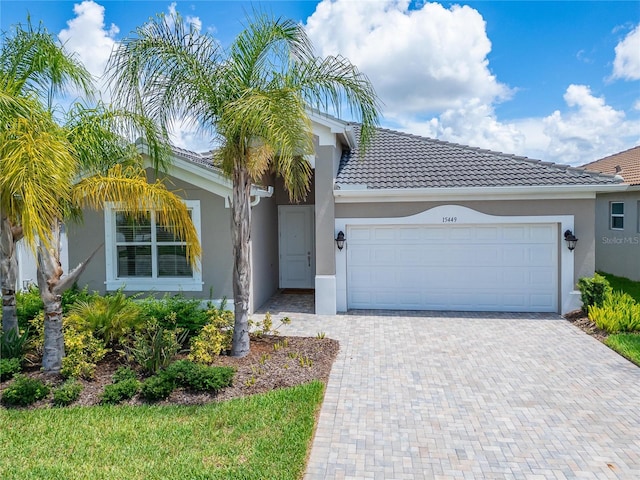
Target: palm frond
36	173
168	71
127	186
35	62
333	82
104	137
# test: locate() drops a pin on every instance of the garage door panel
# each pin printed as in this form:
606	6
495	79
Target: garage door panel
514	233
409	234
463	233
541	301
516	302
542	233
541	255
484	267
359	233
384	235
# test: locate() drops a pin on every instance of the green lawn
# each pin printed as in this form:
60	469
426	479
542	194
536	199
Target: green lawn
623	284
259	437
626	344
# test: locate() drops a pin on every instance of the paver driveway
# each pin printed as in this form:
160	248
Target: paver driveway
472	396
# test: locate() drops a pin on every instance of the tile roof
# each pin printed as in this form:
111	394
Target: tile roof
628	162
205	158
401	160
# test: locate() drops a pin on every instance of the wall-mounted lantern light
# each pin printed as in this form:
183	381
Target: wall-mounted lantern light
340	240
571	239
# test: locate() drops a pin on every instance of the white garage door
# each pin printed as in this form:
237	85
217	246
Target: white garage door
462	267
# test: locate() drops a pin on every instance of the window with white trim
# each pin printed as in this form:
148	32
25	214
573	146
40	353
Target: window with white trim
143	254
617	215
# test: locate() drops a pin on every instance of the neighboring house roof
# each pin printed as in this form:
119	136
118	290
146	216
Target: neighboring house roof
626	164
397	160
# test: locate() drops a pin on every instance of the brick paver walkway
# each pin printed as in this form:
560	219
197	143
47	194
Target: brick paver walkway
441	395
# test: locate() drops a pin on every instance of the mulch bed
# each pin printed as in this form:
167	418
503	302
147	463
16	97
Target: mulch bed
581	320
294	361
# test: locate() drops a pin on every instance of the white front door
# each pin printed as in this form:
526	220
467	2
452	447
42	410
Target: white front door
296	246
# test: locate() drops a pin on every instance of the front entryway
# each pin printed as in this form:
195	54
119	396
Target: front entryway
296	246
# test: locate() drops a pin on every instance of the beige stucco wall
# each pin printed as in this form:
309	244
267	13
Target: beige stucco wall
325	209
217	259
618	251
582	210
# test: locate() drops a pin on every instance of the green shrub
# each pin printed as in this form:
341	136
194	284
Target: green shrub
8	368
214	338
28	305
13	344
124	373
67	393
117	392
74	295
593	291
158	387
189	314
619	313
110	317
265	326
200	378
24	391
154	347
82	352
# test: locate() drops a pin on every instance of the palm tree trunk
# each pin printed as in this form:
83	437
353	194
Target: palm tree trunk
8	274
241	236
49	274
52	285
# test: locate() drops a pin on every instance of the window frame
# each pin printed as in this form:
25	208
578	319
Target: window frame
615	215
135	284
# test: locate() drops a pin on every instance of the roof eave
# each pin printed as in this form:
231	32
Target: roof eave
358	194
208	178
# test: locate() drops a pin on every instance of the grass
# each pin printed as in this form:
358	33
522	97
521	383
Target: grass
623	284
263	436
626	344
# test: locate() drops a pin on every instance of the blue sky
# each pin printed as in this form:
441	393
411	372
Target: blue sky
557	81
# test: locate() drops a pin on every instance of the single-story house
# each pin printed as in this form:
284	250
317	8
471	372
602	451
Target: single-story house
427	225
618	216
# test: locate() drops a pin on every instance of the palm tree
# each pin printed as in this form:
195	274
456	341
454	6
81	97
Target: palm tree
254	97
33	68
50	172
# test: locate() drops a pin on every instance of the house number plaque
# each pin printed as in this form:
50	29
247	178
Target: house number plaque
449	219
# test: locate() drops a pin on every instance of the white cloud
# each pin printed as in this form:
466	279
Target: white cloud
474	124
87	36
627	62
591	129
419	61
190	19
185	134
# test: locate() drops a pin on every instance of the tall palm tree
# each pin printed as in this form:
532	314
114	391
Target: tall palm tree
50	172
254	97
